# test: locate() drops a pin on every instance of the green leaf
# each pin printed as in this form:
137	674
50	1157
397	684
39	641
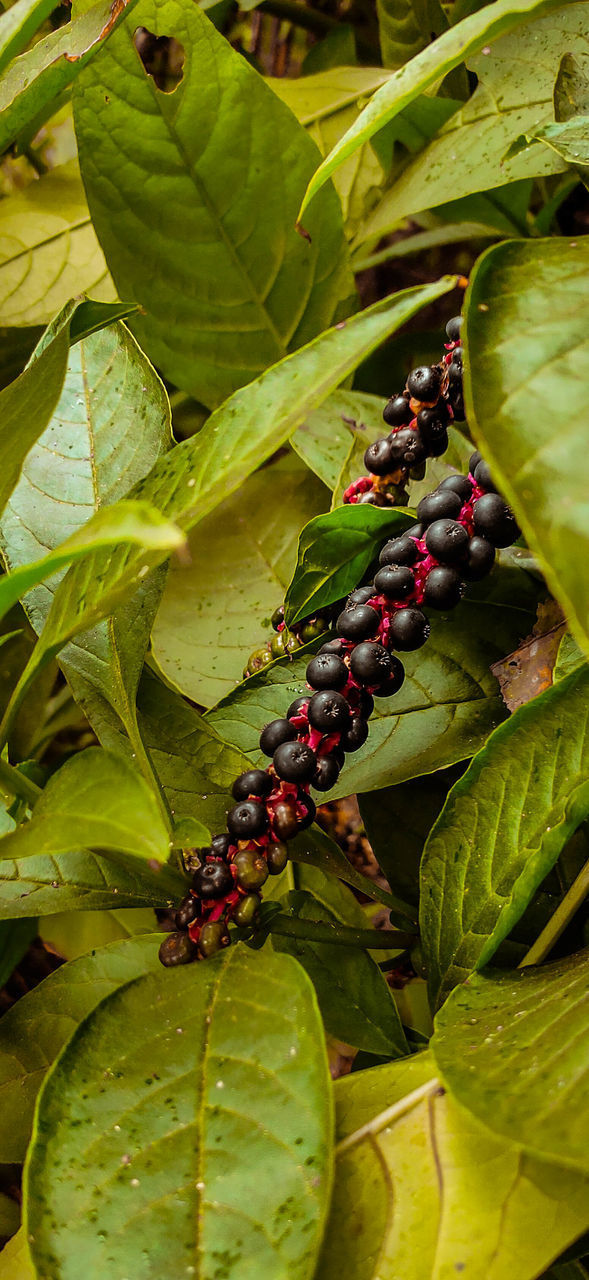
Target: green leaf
325	438
502	829
48	247
428	1192
570	141
511	1047
408	27
35	79
510	371
215	609
248	289
18	25
43	884
445	710
398	821
15	1261
355	1001
313	848
468	154
15	936
74	935
9	1221
34	1030
197	475
569	657
447	52
129	522
231	1075
335	551
95	799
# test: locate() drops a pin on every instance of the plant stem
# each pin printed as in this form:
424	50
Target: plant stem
391	1114
558	922
17	784
340	934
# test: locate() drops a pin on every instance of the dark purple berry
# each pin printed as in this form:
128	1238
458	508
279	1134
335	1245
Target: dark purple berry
458	484
424	382
443	587
371	663
409	629
254	782
494	520
358	623
327	671
177	948
366	702
474	460
306	819
212	880
436	506
276	858
294	762
372	499
220	845
274	733
453	328
285	823
335	646
188	911
399	551
328	711
439	446
355	735
327	773
483	477
378	458
360	596
297	707
481	558
433	423
397	412
247	820
408	447
447	541
394	682
395	581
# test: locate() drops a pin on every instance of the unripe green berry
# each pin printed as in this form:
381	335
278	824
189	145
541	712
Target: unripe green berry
246	909
252	871
277	858
257	661
312	630
213	937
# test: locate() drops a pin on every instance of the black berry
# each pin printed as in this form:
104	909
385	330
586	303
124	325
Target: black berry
298	706
188	911
360	596
397	412
433	422
424	382
212	880
306	819
394	682
177	948
409	629
220	845
473	461
453	328
483	477
396	581
443	587
335	646
327	773
371	663
447	541
408	447
378	459
358	623
366	702
399	551
294	762
247	820
436	506
327	671
255	782
481	558
355	735
458	484
274	733
328	711
494	520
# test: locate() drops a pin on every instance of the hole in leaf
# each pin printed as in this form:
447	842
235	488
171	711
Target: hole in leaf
162	57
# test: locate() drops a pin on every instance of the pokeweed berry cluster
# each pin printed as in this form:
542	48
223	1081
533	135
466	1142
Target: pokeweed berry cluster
419	418
286	640
459	527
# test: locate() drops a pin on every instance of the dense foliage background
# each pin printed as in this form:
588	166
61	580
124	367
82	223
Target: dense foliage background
226	235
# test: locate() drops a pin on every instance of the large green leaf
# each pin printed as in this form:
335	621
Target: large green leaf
209	1134
469	152
502	829
334	553
355	1001
214	610
325	438
511	1047
36	78
197	475
95	799
406	27
48	248
15	936
223	291
18	25
15	1261
445	710
447	52
398	821
35	1029
427	1193
43	884
515	369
